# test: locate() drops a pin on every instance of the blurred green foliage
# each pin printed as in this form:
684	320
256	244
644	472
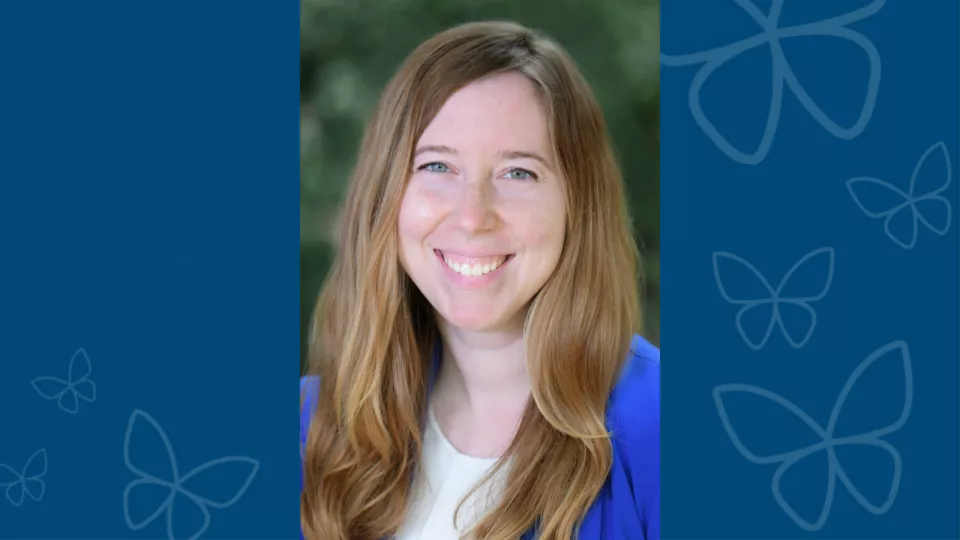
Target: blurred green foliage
350	48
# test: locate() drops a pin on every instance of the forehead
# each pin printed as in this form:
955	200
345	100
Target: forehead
501	110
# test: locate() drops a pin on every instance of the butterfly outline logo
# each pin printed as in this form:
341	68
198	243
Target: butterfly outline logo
828	439
78	386
771	34
775	301
28	482
909	201
177	484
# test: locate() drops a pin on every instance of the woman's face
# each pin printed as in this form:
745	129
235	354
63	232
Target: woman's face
482	221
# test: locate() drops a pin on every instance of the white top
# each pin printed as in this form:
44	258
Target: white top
444	477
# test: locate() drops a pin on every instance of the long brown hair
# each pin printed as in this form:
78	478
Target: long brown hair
374	334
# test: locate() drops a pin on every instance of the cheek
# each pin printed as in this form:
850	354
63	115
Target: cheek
420	213
542	233
542	227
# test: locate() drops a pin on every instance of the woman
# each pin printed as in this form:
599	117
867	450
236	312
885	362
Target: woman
477	327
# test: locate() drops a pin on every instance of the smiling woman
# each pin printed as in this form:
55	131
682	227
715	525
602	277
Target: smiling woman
476	368
482	200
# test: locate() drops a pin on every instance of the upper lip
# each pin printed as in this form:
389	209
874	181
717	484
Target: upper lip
473	254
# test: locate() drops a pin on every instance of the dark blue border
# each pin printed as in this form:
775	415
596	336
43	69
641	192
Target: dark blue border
810	269
149	221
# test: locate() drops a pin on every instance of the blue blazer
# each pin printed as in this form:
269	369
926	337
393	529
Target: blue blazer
628	506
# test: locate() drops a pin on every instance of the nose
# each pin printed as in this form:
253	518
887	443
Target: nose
476	211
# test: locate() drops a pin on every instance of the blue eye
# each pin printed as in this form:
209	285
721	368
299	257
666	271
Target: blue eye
530	175
431	167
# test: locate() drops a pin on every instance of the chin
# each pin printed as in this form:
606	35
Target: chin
472	321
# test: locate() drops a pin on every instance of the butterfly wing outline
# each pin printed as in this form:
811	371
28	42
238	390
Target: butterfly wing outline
794	303
194	486
896	206
711	61
80	371
749	304
868	439
245	470
899	351
777	482
147	482
785	458
68	393
33	473
836	27
190	488
192	505
50	387
901	211
782	74
29	482
780	304
12	482
936	156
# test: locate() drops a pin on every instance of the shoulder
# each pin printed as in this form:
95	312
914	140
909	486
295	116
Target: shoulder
309	384
309	389
636	397
634	421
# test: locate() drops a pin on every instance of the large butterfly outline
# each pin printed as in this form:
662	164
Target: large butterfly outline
187	493
27	482
783	75
827	439
763	307
923	202
77	386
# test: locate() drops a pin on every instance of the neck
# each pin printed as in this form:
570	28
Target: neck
483	372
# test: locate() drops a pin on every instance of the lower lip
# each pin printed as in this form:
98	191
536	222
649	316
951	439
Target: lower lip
471	282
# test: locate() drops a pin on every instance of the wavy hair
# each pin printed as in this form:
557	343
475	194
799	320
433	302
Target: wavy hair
373	333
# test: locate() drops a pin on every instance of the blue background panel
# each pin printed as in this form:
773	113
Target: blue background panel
809	269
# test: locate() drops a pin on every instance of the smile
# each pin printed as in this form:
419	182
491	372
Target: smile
473	266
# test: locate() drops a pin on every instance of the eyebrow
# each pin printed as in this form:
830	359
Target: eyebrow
505	154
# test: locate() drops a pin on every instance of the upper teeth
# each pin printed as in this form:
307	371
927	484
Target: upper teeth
473	267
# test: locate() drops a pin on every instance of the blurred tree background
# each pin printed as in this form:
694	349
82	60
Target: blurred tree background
350	48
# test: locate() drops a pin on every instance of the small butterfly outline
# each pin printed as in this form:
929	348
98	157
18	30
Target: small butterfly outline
828	439
903	212
771	34
173	484
78	386
775	303
28	482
